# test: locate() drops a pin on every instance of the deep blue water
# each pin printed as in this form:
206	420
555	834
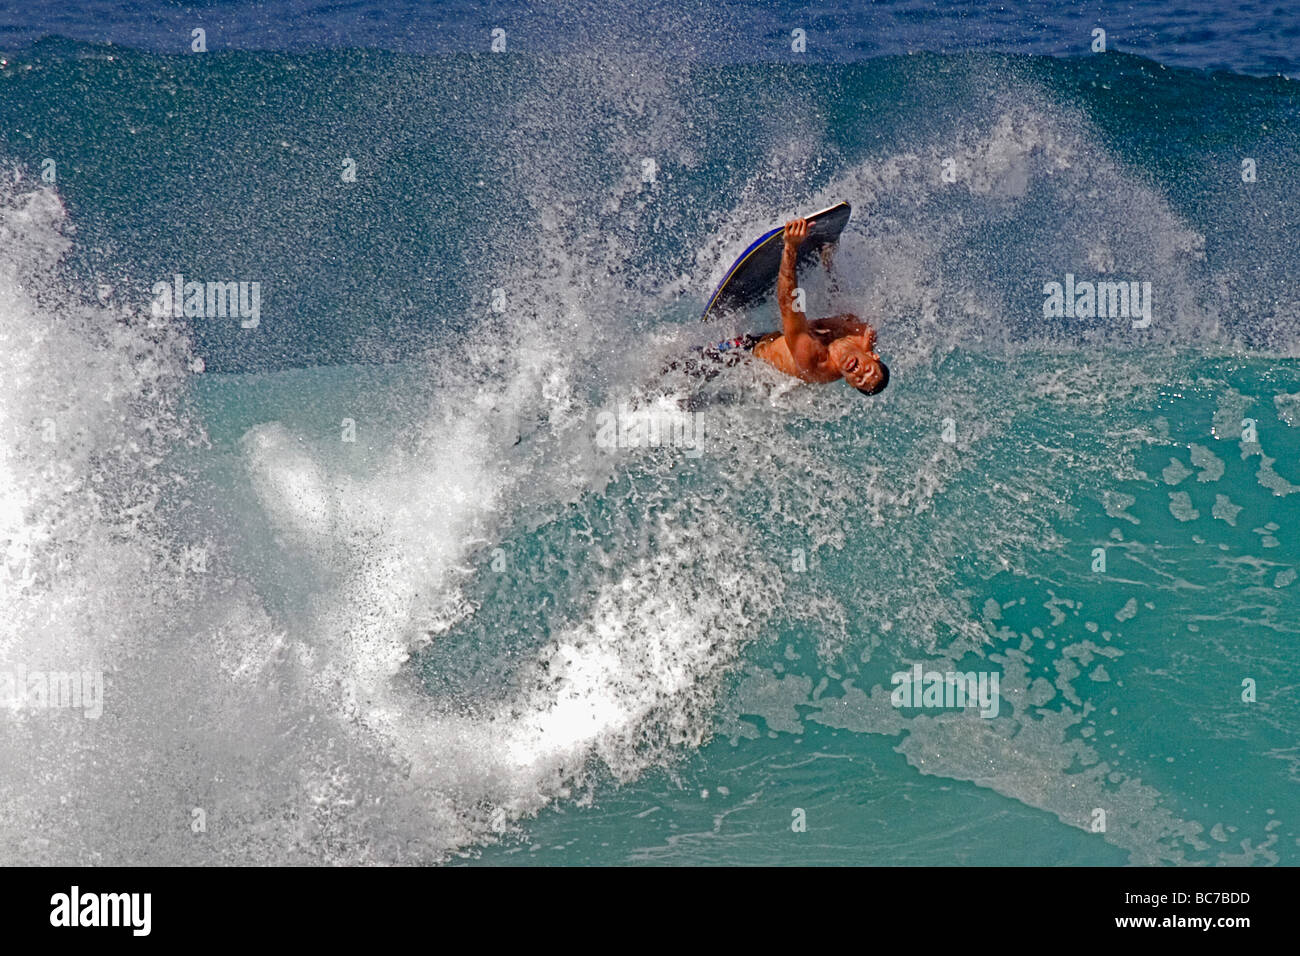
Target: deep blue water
1252	36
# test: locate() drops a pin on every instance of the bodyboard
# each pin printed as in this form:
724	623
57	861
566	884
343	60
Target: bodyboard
752	277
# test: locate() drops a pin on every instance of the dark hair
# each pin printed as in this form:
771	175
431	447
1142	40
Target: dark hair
884	380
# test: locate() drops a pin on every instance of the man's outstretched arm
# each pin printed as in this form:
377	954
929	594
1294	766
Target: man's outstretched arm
794	323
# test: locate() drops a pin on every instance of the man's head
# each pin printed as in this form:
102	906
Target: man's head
860	366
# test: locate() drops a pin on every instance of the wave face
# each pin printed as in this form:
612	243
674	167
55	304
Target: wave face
367	583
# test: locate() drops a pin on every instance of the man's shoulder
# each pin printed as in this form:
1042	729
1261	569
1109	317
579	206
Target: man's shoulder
842	324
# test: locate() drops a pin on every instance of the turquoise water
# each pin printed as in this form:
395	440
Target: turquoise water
368	587
1123	688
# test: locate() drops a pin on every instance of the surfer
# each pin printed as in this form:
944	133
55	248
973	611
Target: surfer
820	350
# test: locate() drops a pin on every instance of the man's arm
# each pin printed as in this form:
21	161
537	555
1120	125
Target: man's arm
804	349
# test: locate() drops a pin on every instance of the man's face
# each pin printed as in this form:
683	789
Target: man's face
860	368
